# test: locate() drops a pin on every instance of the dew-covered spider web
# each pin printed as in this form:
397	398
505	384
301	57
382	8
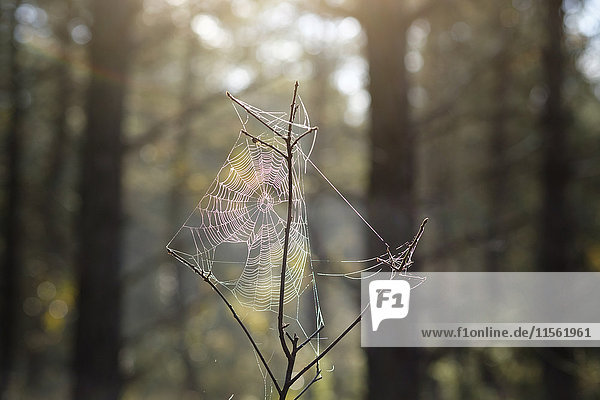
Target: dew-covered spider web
235	235
247	204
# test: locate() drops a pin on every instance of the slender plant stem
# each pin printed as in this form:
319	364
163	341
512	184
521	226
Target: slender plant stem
290	355
292	112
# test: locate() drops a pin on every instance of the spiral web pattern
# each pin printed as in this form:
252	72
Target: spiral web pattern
246	204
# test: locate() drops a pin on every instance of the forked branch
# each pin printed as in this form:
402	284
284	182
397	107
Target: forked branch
291	349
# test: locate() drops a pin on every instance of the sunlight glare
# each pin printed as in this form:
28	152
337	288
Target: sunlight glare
209	30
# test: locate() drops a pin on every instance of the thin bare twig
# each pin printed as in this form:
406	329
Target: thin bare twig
413	245
311	337
313	129
293	110
256	139
249	111
290	355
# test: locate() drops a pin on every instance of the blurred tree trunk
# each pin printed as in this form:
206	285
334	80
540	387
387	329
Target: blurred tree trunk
556	224
393	372
58	146
555	237
96	361
498	187
56	222
9	278
181	174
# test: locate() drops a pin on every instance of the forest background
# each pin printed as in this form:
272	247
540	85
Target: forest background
481	115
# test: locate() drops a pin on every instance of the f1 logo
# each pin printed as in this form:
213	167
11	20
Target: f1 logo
389	299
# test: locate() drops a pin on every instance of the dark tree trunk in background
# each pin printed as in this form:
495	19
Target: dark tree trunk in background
96	361
181	174
57	151
556	229
393	372
498	187
555	238
57	222
9	278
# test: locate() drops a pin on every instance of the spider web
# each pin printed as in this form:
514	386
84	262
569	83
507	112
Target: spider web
247	204
235	235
